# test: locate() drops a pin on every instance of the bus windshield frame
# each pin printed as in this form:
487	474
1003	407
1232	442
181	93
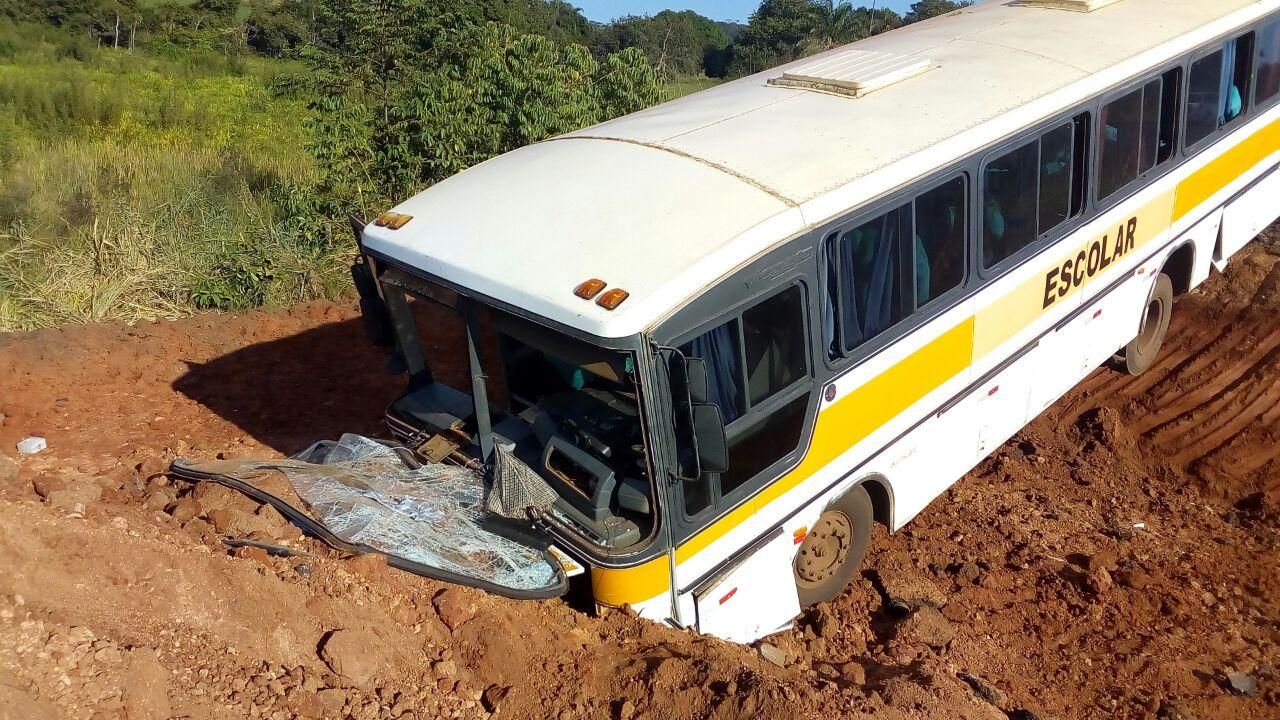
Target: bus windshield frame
571	407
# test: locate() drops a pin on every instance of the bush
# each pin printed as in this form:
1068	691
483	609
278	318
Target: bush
137	187
402	102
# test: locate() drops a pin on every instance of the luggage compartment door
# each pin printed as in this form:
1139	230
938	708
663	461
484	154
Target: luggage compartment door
1247	216
755	595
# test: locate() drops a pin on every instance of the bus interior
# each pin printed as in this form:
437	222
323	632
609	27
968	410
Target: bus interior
568	409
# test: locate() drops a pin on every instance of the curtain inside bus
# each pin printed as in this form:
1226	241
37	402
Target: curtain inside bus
719	350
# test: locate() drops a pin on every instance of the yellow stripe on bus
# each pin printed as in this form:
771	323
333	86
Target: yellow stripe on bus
868	408
1220	172
844	424
1018	309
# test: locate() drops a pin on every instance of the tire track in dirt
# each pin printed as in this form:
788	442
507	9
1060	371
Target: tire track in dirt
1226	391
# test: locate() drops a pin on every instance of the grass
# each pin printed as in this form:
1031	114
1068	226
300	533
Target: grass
688	84
134	187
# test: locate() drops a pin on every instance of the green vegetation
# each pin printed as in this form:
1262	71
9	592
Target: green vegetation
133	187
784	30
160	156
400	104
191	172
677	43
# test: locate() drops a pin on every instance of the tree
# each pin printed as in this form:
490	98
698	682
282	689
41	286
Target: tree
677	43
276	30
835	24
775	33
925	9
405	96
783	30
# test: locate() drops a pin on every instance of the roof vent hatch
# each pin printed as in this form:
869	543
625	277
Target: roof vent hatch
853	72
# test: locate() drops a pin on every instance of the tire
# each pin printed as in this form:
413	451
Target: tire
833	548
1142	351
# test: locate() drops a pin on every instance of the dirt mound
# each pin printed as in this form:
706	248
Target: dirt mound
1118	559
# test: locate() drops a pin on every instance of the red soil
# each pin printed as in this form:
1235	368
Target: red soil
1115	560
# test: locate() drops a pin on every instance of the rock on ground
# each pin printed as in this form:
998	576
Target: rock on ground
146	690
353	655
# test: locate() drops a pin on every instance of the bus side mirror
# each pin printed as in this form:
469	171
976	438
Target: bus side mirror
713	448
701	446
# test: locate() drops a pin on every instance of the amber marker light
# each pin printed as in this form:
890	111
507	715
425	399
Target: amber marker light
392	220
589	289
612	299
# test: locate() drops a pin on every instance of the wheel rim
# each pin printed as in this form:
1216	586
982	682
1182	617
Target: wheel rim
825	549
1150	326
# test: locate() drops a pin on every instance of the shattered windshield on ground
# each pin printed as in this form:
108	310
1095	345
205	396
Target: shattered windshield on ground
364	493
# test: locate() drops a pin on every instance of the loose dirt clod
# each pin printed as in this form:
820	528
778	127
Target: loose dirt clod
75	494
146	690
351	654
455	606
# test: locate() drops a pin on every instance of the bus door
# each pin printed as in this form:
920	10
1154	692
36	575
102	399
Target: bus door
751	395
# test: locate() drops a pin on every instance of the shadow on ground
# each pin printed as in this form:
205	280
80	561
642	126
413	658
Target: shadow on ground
290	392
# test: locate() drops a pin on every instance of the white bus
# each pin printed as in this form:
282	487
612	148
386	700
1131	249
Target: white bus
735	330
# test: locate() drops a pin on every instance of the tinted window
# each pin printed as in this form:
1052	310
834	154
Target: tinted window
1240	85
1009	206
1122	141
1056	160
1149	134
1204	97
1170	114
865	276
765	440
1268	85
750	360
939	241
719	348
773	333
883	270
1219	88
1032	189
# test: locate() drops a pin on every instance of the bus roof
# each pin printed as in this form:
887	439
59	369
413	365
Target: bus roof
664	202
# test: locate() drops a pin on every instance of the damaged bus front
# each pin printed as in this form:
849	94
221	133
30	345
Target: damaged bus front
604	424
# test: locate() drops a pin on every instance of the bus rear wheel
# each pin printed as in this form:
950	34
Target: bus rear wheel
1141	352
833	548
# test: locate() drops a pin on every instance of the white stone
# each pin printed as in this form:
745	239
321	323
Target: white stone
32	445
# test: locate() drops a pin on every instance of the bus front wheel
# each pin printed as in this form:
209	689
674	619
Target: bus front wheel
833	548
1141	352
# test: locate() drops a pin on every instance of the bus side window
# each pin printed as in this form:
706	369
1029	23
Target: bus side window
1220	85
1009	203
1122	141
940	224
864	274
1240	82
1170	105
1033	189
1056	170
1204	97
1268	83
757	372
